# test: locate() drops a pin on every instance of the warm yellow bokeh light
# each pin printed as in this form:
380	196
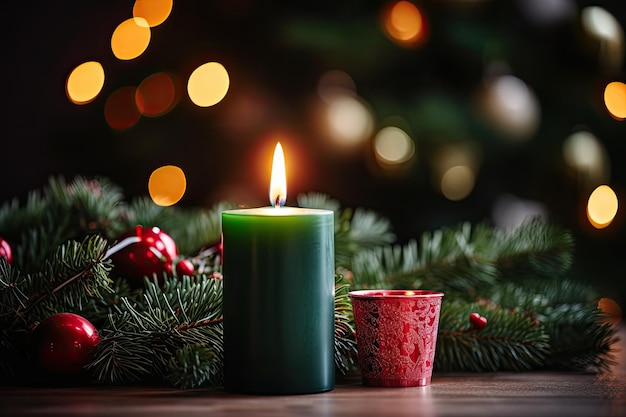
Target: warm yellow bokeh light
457	182
85	82
131	38
404	22
349	120
167	185
393	145
615	99
208	84
154	11
602	206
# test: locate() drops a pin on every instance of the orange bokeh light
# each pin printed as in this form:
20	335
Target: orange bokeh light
602	207
85	82
167	185
404	23
130	38
154	11
615	99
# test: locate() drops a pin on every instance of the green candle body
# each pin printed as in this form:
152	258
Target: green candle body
278	270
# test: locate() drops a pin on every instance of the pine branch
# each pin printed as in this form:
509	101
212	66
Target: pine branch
345	343
195	229
71	278
447	259
76	273
355	230
534	250
193	366
510	341
95	204
57	213
12	296
579	338
182	313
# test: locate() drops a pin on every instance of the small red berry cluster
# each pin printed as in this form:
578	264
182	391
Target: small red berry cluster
477	321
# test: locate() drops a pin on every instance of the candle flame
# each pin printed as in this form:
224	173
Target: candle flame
278	181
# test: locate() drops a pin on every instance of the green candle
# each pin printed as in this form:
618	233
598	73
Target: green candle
278	270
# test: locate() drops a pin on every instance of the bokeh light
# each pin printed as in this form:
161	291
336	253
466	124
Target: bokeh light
85	82
602	206
511	106
349	120
457	182
404	23
208	84
130	38
154	11
454	169
598	22
120	109
156	95
615	99
510	211
167	185
547	12
606	29
393	146
583	152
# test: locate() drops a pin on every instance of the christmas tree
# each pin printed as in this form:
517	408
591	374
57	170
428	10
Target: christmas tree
509	302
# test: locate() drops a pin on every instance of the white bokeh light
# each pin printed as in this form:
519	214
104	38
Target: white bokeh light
350	121
510	211
393	145
607	30
583	152
511	106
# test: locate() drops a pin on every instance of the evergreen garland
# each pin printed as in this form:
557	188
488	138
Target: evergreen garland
170	330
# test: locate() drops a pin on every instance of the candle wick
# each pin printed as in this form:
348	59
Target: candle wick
277	202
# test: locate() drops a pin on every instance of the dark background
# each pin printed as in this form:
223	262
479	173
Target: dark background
275	53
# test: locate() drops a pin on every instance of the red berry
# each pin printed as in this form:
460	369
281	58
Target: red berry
64	343
477	321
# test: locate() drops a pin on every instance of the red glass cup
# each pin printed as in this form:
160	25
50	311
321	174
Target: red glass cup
396	334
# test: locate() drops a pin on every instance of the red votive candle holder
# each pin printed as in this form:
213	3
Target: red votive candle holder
396	335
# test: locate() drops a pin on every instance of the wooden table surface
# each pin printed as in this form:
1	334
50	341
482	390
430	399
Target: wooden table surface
529	394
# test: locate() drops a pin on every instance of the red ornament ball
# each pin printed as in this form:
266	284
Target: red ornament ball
5	251
64	343
143	251
184	267
477	321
